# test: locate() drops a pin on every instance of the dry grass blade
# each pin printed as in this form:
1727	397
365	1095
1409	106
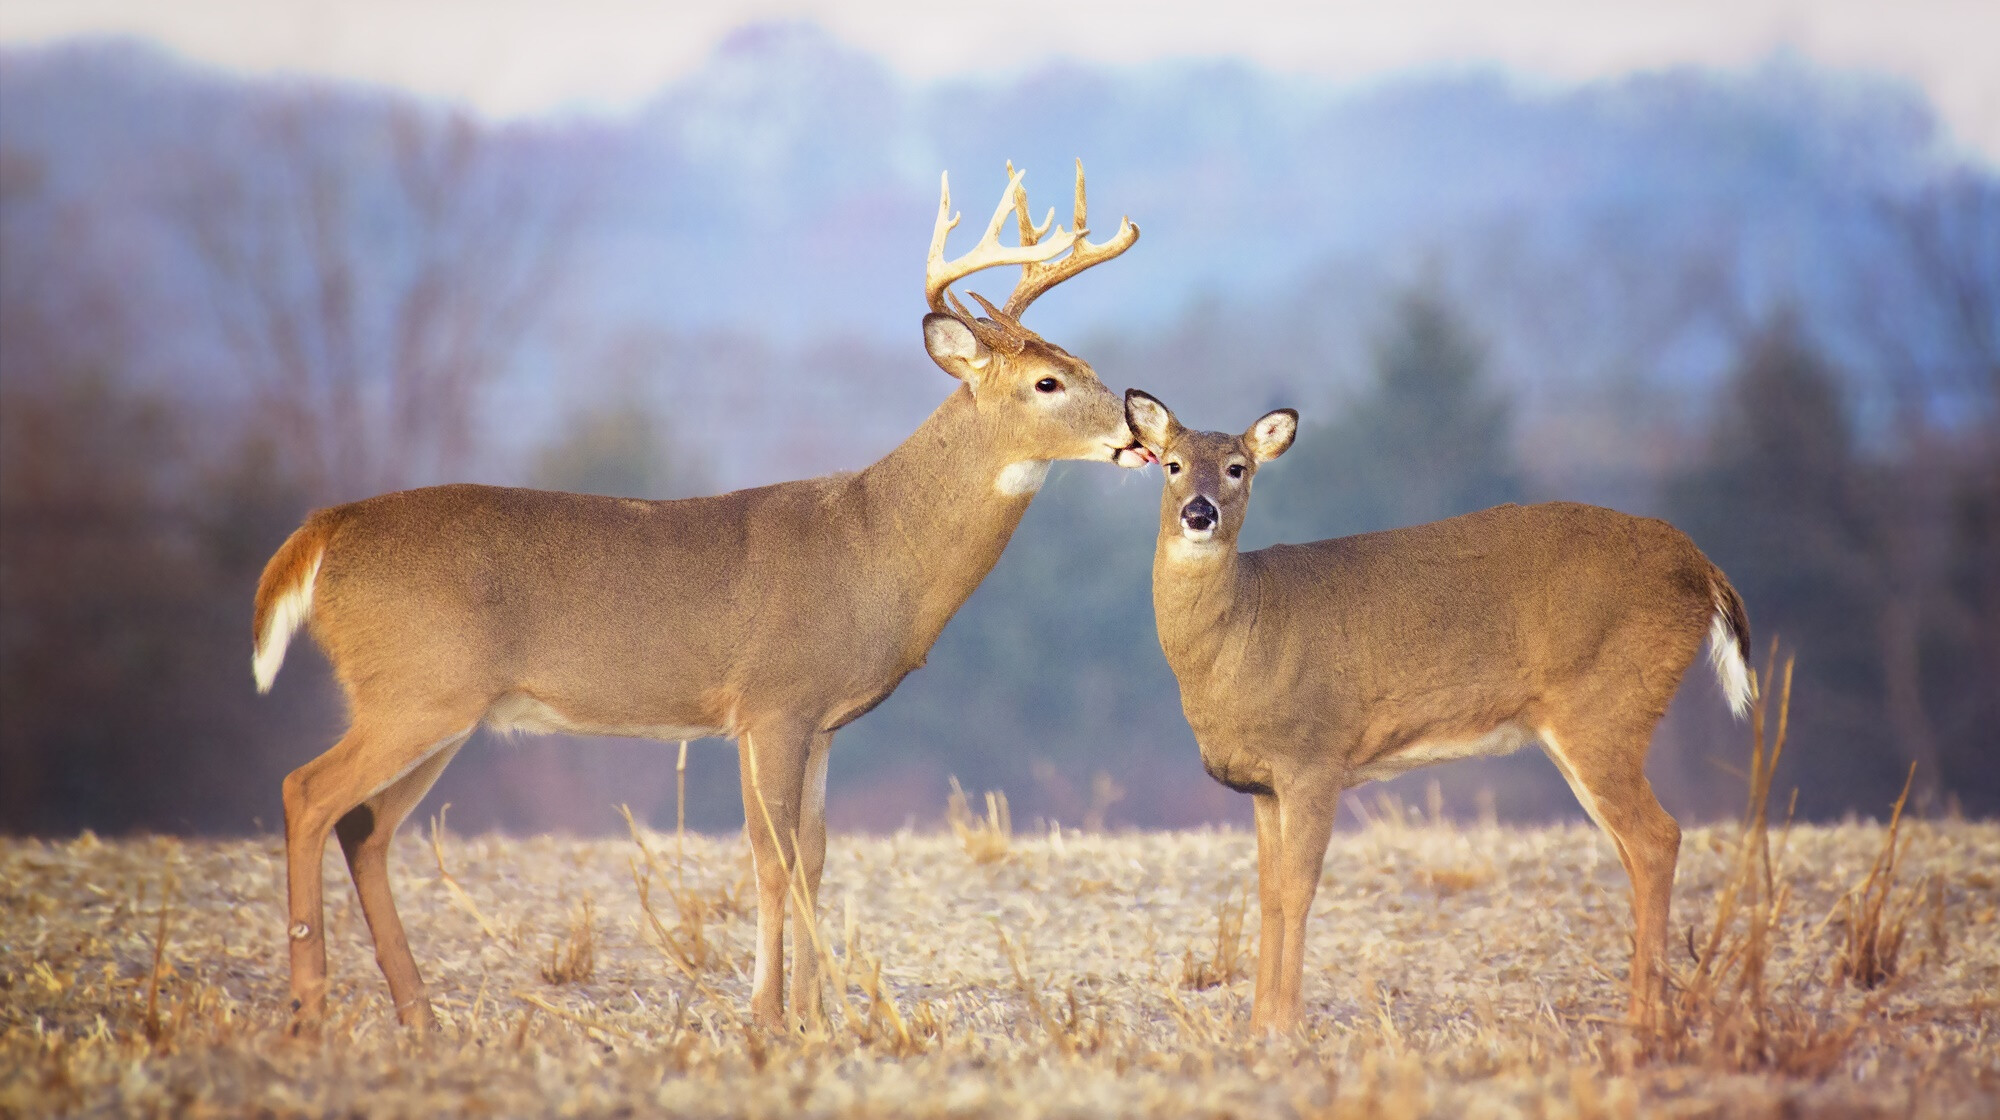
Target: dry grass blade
573	959
459	898
583	1021
1225	962
1104	793
155	1030
1056	1031
884	1015
987	840
1723	1013
1875	921
685	943
1448	881
680	810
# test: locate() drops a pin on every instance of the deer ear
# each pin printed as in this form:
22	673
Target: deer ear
1272	434
954	347
1152	423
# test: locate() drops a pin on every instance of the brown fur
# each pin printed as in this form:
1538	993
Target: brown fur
1306	669
773	616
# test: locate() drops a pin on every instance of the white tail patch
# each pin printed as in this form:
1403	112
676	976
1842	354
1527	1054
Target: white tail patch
1730	667
287	615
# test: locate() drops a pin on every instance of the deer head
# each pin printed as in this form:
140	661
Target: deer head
1040	401
1207	473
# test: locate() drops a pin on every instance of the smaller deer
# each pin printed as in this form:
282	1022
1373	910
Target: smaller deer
1307	669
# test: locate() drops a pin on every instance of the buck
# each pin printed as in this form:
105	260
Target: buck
773	616
1306	669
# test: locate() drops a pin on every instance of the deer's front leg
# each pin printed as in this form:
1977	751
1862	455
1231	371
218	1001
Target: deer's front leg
1305	824
807	996
773	771
1270	908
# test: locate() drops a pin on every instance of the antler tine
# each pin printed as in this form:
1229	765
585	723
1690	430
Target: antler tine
1007	324
989	253
946	220
1030	232
1039	276
1080	216
996	329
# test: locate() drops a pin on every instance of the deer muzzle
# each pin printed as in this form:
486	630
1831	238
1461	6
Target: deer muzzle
1199	515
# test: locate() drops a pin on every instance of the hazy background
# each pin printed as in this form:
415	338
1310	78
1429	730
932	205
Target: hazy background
1738	266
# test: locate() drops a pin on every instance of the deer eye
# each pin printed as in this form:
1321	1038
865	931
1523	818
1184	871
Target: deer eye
1047	385
1173	468
1236	470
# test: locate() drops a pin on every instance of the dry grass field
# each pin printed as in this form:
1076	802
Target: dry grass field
1456	971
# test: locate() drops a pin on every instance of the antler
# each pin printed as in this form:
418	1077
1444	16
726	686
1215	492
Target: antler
1040	275
989	253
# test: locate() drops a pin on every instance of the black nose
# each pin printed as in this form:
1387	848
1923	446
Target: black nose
1199	514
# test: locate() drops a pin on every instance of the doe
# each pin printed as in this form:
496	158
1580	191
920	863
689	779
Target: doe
1306	669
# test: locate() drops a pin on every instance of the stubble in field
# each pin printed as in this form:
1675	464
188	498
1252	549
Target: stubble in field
1453	971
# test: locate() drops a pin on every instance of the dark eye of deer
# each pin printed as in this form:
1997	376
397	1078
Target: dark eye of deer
1236	470
1047	385
1173	468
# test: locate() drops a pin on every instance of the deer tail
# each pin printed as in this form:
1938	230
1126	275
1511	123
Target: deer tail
1729	644
285	597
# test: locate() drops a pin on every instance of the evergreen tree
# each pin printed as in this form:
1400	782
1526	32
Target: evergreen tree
1428	440
619	448
1779	505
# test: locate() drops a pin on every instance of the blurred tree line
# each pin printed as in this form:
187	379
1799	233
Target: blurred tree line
373	281
1856	509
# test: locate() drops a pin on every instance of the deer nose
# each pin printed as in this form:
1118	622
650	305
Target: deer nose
1199	514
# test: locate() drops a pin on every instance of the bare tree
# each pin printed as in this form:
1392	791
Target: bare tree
370	274
1940	341
1933	335
97	589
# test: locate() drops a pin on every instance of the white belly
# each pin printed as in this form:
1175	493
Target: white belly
1504	739
519	712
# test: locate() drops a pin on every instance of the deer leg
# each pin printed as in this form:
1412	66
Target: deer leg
807	995
774	770
365	833
1607	773
1270	908
1305	823
362	764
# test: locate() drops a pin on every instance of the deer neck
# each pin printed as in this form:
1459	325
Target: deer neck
945	502
1196	591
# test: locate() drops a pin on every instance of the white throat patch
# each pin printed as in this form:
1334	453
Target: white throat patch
1024	477
1184	547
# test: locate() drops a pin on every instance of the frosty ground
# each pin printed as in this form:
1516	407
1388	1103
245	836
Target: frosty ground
1454	970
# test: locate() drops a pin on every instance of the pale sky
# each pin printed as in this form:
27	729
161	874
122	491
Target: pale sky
514	57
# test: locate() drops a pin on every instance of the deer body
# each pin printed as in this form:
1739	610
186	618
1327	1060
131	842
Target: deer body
773	615
1308	669
1419	645
544	608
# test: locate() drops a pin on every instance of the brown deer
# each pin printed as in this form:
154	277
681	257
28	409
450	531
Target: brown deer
773	616
1306	669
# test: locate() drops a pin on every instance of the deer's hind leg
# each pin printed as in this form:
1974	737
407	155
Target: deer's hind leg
365	833
1606	768
373	756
